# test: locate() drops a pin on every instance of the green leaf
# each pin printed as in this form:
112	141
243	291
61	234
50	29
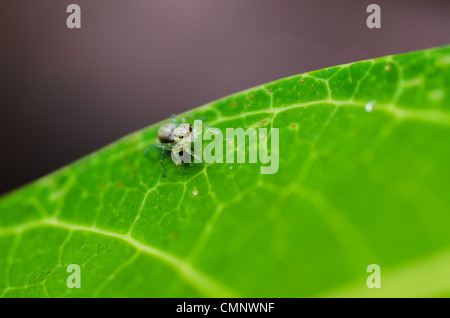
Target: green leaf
363	179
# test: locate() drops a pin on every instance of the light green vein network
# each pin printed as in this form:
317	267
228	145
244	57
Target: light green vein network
363	179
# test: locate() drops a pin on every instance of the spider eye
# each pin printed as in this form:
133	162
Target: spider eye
181	136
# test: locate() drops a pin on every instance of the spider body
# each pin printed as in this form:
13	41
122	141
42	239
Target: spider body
176	138
165	133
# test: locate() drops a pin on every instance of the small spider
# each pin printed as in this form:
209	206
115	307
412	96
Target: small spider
176	138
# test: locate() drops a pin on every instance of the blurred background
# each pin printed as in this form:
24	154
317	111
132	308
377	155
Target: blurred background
67	92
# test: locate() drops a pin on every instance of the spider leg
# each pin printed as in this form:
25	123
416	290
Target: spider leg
177	158
161	162
163	147
175	154
174	118
182	167
192	153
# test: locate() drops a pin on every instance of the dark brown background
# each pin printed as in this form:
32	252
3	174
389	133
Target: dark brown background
65	93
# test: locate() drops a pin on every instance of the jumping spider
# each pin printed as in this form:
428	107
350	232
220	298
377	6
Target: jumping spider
176	138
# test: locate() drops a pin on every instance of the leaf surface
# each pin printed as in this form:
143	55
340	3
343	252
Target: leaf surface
363	179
